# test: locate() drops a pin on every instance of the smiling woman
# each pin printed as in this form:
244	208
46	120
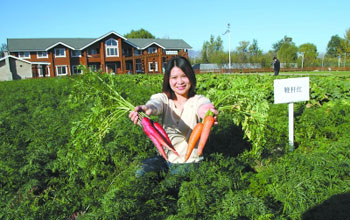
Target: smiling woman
180	109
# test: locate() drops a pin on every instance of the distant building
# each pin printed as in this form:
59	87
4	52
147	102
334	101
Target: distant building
111	53
206	67
12	67
215	68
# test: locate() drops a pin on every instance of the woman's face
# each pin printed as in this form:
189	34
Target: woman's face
179	82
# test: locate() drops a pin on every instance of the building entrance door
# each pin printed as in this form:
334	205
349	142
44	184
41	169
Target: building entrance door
111	68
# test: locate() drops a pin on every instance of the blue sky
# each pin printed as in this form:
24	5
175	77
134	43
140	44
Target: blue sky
306	21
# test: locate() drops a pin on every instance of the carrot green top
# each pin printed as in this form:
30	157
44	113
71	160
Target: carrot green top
178	124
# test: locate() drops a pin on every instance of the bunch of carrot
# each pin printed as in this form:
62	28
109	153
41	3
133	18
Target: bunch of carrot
200	132
121	107
158	136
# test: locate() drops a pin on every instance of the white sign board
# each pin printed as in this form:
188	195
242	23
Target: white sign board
171	52
291	90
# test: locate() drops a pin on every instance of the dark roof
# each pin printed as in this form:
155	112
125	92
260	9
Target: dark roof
43	44
165	43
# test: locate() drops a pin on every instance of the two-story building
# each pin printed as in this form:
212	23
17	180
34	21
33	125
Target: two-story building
111	53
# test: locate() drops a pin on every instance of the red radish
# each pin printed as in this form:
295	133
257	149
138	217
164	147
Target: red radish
148	126
161	130
157	144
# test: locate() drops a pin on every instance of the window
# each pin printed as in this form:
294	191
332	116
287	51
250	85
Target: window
42	54
93	51
152	50
42	71
76	70
112	49
138	52
60	52
24	55
111	67
153	66
93	67
76	53
61	70
138	66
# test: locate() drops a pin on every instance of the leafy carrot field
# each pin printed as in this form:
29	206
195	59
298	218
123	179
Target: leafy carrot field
66	152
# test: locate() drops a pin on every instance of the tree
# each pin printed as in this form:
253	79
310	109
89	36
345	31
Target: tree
212	50
142	33
310	53
334	46
243	47
276	46
254	49
345	44
242	51
288	52
2	50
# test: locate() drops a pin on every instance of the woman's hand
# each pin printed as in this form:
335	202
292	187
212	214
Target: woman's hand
202	110
134	116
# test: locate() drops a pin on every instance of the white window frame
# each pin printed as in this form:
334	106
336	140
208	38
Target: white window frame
24	55
152	50
47	69
150	65
113	49
40	70
59	67
75	53
39	54
60	49
75	70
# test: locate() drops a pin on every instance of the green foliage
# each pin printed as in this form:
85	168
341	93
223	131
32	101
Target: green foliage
141	33
254	50
345	43
212	50
310	53
301	180
3	49
334	46
277	46
244	100
288	52
60	158
243	204
318	125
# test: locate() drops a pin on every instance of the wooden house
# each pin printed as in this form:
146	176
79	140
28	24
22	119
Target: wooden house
110	53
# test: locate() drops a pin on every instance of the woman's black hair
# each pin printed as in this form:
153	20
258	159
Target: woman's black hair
182	63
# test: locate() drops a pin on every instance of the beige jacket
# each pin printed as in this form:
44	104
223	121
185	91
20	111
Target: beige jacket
178	124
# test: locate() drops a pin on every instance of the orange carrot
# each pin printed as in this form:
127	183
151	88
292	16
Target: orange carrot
207	124
195	135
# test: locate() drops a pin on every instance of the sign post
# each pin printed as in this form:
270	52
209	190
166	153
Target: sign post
291	125
289	91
